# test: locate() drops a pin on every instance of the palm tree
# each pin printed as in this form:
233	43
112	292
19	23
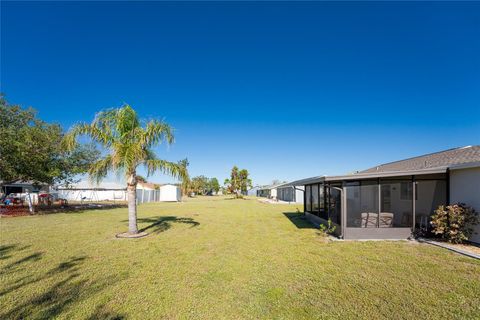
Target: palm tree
129	146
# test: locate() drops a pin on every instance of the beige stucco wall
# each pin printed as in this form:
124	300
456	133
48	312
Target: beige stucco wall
465	187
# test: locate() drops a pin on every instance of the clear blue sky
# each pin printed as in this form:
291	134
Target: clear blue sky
286	90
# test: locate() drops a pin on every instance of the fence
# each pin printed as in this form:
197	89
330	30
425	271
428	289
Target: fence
144	196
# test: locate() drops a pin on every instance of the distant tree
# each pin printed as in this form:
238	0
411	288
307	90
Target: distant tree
245	182
238	183
186	182
200	185
129	145
30	149
214	185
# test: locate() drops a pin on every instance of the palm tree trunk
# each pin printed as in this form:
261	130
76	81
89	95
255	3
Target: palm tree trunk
132	204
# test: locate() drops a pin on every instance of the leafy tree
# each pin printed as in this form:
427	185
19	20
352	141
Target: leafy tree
245	182
239	182
128	145
203	185
200	185
30	149
214	185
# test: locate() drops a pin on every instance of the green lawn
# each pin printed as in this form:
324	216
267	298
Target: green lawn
213	258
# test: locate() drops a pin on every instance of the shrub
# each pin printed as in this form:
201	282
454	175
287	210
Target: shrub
327	229
454	222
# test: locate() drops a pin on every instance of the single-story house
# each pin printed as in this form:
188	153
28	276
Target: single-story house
147	192
269	191
146	186
290	193
20	188
253	191
393	200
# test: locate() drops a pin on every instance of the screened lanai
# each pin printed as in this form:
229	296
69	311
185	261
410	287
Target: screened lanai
377	206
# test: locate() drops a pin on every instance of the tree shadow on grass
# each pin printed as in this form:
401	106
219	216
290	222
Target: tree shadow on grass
69	265
12	266
68	288
161	224
299	220
8	249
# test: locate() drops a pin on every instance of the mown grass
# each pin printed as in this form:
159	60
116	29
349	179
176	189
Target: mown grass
213	258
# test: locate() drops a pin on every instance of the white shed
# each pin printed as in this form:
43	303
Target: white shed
170	192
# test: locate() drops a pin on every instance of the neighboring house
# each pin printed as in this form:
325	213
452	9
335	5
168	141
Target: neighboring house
269	191
20	189
253	191
290	193
20	186
88	191
145	186
170	192
284	192
392	200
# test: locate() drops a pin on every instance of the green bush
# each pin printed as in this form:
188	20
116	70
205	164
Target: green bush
454	222
327	229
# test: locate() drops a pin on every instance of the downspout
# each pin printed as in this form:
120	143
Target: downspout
414	204
448	186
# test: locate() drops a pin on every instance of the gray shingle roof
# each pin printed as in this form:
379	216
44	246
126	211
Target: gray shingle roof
433	160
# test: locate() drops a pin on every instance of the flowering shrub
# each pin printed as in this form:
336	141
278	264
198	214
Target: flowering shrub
454	222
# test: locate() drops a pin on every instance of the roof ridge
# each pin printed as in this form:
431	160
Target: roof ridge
421	156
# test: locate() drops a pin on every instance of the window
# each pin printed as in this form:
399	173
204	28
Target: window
406	190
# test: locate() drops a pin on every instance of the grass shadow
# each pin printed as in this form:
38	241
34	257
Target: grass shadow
68	288
15	264
8	249
299	220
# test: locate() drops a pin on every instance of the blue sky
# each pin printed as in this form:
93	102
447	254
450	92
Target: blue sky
286	90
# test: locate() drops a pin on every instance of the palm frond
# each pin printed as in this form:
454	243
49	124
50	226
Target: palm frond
94	132
99	169
126	121
176	170
156	132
